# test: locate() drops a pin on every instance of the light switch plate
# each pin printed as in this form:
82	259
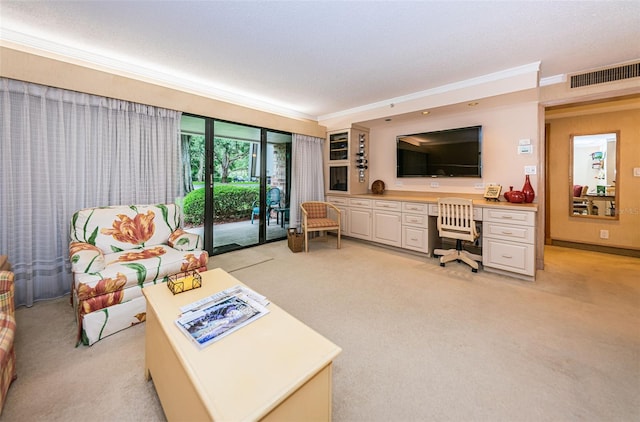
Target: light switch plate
525	149
636	171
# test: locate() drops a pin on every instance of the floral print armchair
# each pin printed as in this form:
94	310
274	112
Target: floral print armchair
118	250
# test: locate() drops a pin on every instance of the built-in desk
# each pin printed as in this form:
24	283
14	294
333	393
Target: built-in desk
408	220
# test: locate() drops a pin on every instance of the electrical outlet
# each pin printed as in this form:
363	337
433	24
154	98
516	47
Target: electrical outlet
479	186
636	172
529	169
435	184
604	234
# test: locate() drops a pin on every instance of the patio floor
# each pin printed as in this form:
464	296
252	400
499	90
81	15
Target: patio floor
232	236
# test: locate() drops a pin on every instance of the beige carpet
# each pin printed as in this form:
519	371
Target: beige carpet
420	342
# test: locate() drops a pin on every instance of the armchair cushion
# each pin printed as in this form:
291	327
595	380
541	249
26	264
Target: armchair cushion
85	258
184	241
315	210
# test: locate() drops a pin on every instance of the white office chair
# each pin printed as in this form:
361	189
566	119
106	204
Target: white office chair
455	221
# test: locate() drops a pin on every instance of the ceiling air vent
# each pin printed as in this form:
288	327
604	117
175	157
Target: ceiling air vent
606	75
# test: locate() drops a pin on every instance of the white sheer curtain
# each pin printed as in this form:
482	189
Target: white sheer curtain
307	174
62	151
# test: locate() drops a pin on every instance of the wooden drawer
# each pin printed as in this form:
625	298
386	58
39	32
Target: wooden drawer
516	217
525	234
359	202
338	200
415	220
508	256
415	238
387	205
414	207
477	212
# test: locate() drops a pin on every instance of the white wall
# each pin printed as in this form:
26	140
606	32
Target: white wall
502	127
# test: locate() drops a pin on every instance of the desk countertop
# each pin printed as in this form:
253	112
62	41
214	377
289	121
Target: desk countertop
432	197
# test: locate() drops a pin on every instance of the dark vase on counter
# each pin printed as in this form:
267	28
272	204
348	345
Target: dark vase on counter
527	189
514	196
507	194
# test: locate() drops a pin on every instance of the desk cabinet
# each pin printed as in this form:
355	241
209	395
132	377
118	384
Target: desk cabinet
415	223
343	205
387	222
360	215
508	241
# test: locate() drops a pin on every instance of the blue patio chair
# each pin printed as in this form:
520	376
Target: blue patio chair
273	202
255	211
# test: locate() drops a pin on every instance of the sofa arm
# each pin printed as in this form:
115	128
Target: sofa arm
85	258
183	241
6	292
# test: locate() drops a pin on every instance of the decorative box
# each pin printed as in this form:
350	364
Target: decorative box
181	282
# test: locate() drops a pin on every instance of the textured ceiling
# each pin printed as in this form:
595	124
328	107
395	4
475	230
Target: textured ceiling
314	58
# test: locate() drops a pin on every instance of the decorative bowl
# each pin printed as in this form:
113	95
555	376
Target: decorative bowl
377	187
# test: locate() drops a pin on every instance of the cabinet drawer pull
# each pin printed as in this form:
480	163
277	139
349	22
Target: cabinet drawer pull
507	256
506	232
508	217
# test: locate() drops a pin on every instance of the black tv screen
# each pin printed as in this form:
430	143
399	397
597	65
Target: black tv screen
443	153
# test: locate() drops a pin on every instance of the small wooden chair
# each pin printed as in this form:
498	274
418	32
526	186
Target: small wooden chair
455	221
315	218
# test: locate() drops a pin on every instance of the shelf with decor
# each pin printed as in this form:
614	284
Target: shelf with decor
346	161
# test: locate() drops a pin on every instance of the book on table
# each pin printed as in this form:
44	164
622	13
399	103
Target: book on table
210	319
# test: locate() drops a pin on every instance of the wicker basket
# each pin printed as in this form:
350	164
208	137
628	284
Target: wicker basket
181	282
295	240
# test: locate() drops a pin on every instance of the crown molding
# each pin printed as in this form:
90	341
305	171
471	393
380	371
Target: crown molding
552	80
102	62
480	80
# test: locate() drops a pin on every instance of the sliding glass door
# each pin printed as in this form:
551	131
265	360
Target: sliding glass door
239	183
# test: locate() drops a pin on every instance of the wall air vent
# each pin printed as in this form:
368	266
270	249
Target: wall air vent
611	74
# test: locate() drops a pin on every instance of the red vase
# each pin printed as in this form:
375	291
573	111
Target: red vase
507	194
516	197
528	191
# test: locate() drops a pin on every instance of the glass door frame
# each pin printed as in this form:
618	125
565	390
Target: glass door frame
209	169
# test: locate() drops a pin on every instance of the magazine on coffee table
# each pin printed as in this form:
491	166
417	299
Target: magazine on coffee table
216	297
215	320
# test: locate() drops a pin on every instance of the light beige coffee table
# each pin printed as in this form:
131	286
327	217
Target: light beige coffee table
275	368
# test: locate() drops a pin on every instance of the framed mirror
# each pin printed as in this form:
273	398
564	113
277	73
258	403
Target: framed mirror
594	165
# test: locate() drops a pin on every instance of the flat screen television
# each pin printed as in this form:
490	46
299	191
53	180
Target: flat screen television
442	153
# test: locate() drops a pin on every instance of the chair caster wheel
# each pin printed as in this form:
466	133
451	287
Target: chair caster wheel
473	270
442	264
